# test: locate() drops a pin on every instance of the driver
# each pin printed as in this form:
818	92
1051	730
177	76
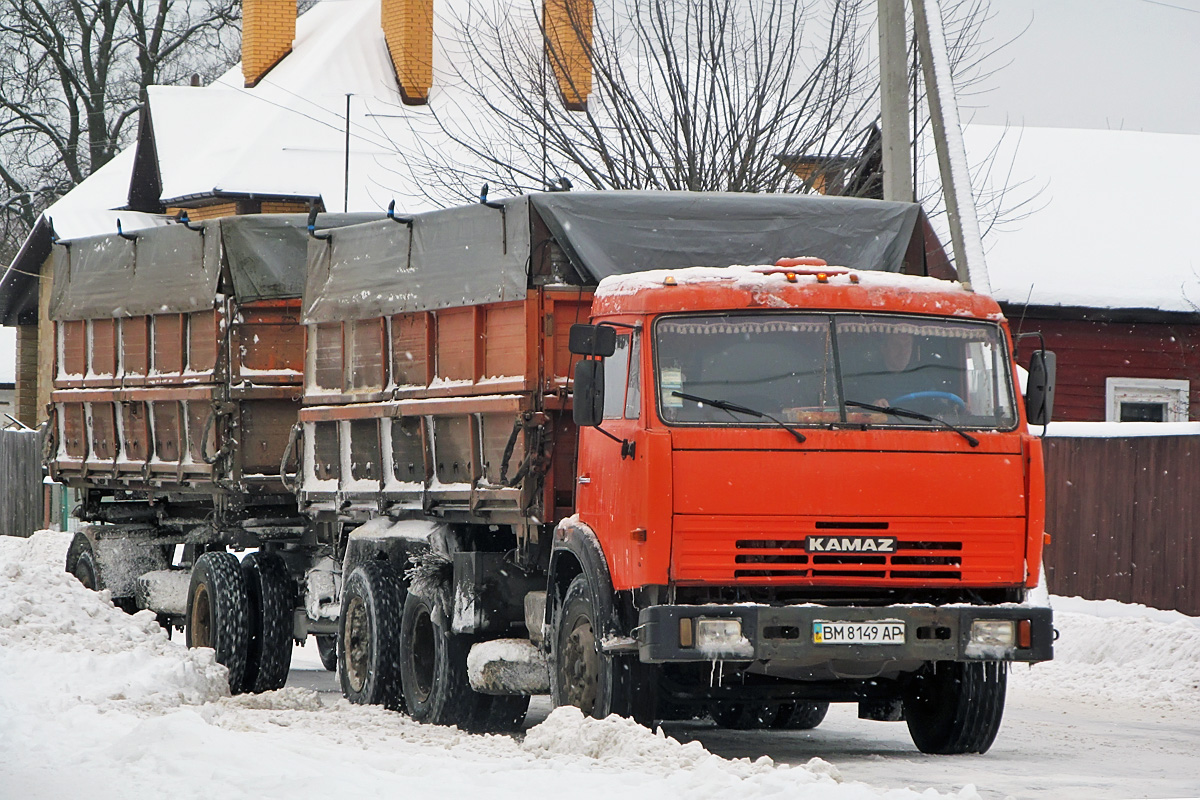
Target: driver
897	378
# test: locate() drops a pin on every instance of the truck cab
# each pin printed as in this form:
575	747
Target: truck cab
821	478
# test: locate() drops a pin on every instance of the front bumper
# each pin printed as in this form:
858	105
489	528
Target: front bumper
784	634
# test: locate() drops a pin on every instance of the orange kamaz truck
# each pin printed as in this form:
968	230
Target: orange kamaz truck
666	455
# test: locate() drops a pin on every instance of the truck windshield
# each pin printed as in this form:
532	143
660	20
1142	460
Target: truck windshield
836	368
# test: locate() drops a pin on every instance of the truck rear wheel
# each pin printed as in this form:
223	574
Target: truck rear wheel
369	634
272	597
954	707
218	613
433	668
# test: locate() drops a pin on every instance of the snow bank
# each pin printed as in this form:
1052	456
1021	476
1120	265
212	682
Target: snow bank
1110	653
98	703
88	650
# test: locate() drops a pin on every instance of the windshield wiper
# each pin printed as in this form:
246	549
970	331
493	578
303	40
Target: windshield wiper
725	405
896	411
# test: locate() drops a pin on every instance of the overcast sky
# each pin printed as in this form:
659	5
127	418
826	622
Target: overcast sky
1119	64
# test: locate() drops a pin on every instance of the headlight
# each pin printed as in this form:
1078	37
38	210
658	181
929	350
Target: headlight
993	632
723	637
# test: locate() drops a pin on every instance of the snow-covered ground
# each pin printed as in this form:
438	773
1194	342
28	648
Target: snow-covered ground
98	704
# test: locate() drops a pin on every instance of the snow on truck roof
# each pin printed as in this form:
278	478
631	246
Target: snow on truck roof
772	286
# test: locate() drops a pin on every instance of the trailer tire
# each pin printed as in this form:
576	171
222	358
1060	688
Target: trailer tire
81	562
504	714
272	597
802	715
327	650
954	707
433	669
218	613
583	676
369	636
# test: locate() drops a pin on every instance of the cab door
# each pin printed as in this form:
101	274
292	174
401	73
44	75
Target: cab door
614	483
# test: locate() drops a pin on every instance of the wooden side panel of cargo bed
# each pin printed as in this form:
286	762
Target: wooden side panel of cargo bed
103	348
168	430
135	349
412	346
170	341
203	341
266	426
366	370
268	342
73	350
135	431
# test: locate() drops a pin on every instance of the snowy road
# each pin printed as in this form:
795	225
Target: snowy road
99	704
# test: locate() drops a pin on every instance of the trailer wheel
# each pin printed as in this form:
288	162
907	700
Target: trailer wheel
327	650
272	597
801	715
369	635
744	716
504	714
433	668
954	707
81	562
218	613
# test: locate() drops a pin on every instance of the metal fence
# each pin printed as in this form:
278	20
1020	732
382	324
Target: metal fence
20	482
1123	514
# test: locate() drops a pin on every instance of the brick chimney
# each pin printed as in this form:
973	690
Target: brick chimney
268	30
408	29
568	25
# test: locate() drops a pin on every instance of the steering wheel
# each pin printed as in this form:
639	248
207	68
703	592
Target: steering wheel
949	397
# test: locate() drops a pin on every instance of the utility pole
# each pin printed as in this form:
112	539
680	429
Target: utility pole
893	79
951	153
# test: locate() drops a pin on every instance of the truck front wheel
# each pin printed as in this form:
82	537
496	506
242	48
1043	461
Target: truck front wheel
954	707
369	633
582	675
218	613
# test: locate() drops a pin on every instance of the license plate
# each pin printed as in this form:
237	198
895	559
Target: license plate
884	631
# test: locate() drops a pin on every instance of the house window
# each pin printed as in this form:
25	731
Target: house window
1146	400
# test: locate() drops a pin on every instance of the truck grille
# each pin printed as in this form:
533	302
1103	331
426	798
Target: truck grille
770	558
718	550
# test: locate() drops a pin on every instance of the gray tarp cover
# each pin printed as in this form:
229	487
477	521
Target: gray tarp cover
615	233
163	270
266	252
463	256
454	257
175	270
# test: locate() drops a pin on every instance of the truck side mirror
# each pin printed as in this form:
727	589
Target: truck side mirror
1039	393
588	405
593	340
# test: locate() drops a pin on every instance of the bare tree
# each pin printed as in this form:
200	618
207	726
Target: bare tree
73	75
729	95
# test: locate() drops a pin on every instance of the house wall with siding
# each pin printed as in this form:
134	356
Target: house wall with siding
1091	350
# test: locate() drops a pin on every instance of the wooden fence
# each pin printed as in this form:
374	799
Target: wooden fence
20	482
1123	514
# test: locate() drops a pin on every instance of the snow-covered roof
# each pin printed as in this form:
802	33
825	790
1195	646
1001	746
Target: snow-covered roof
87	209
1109	219
286	136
